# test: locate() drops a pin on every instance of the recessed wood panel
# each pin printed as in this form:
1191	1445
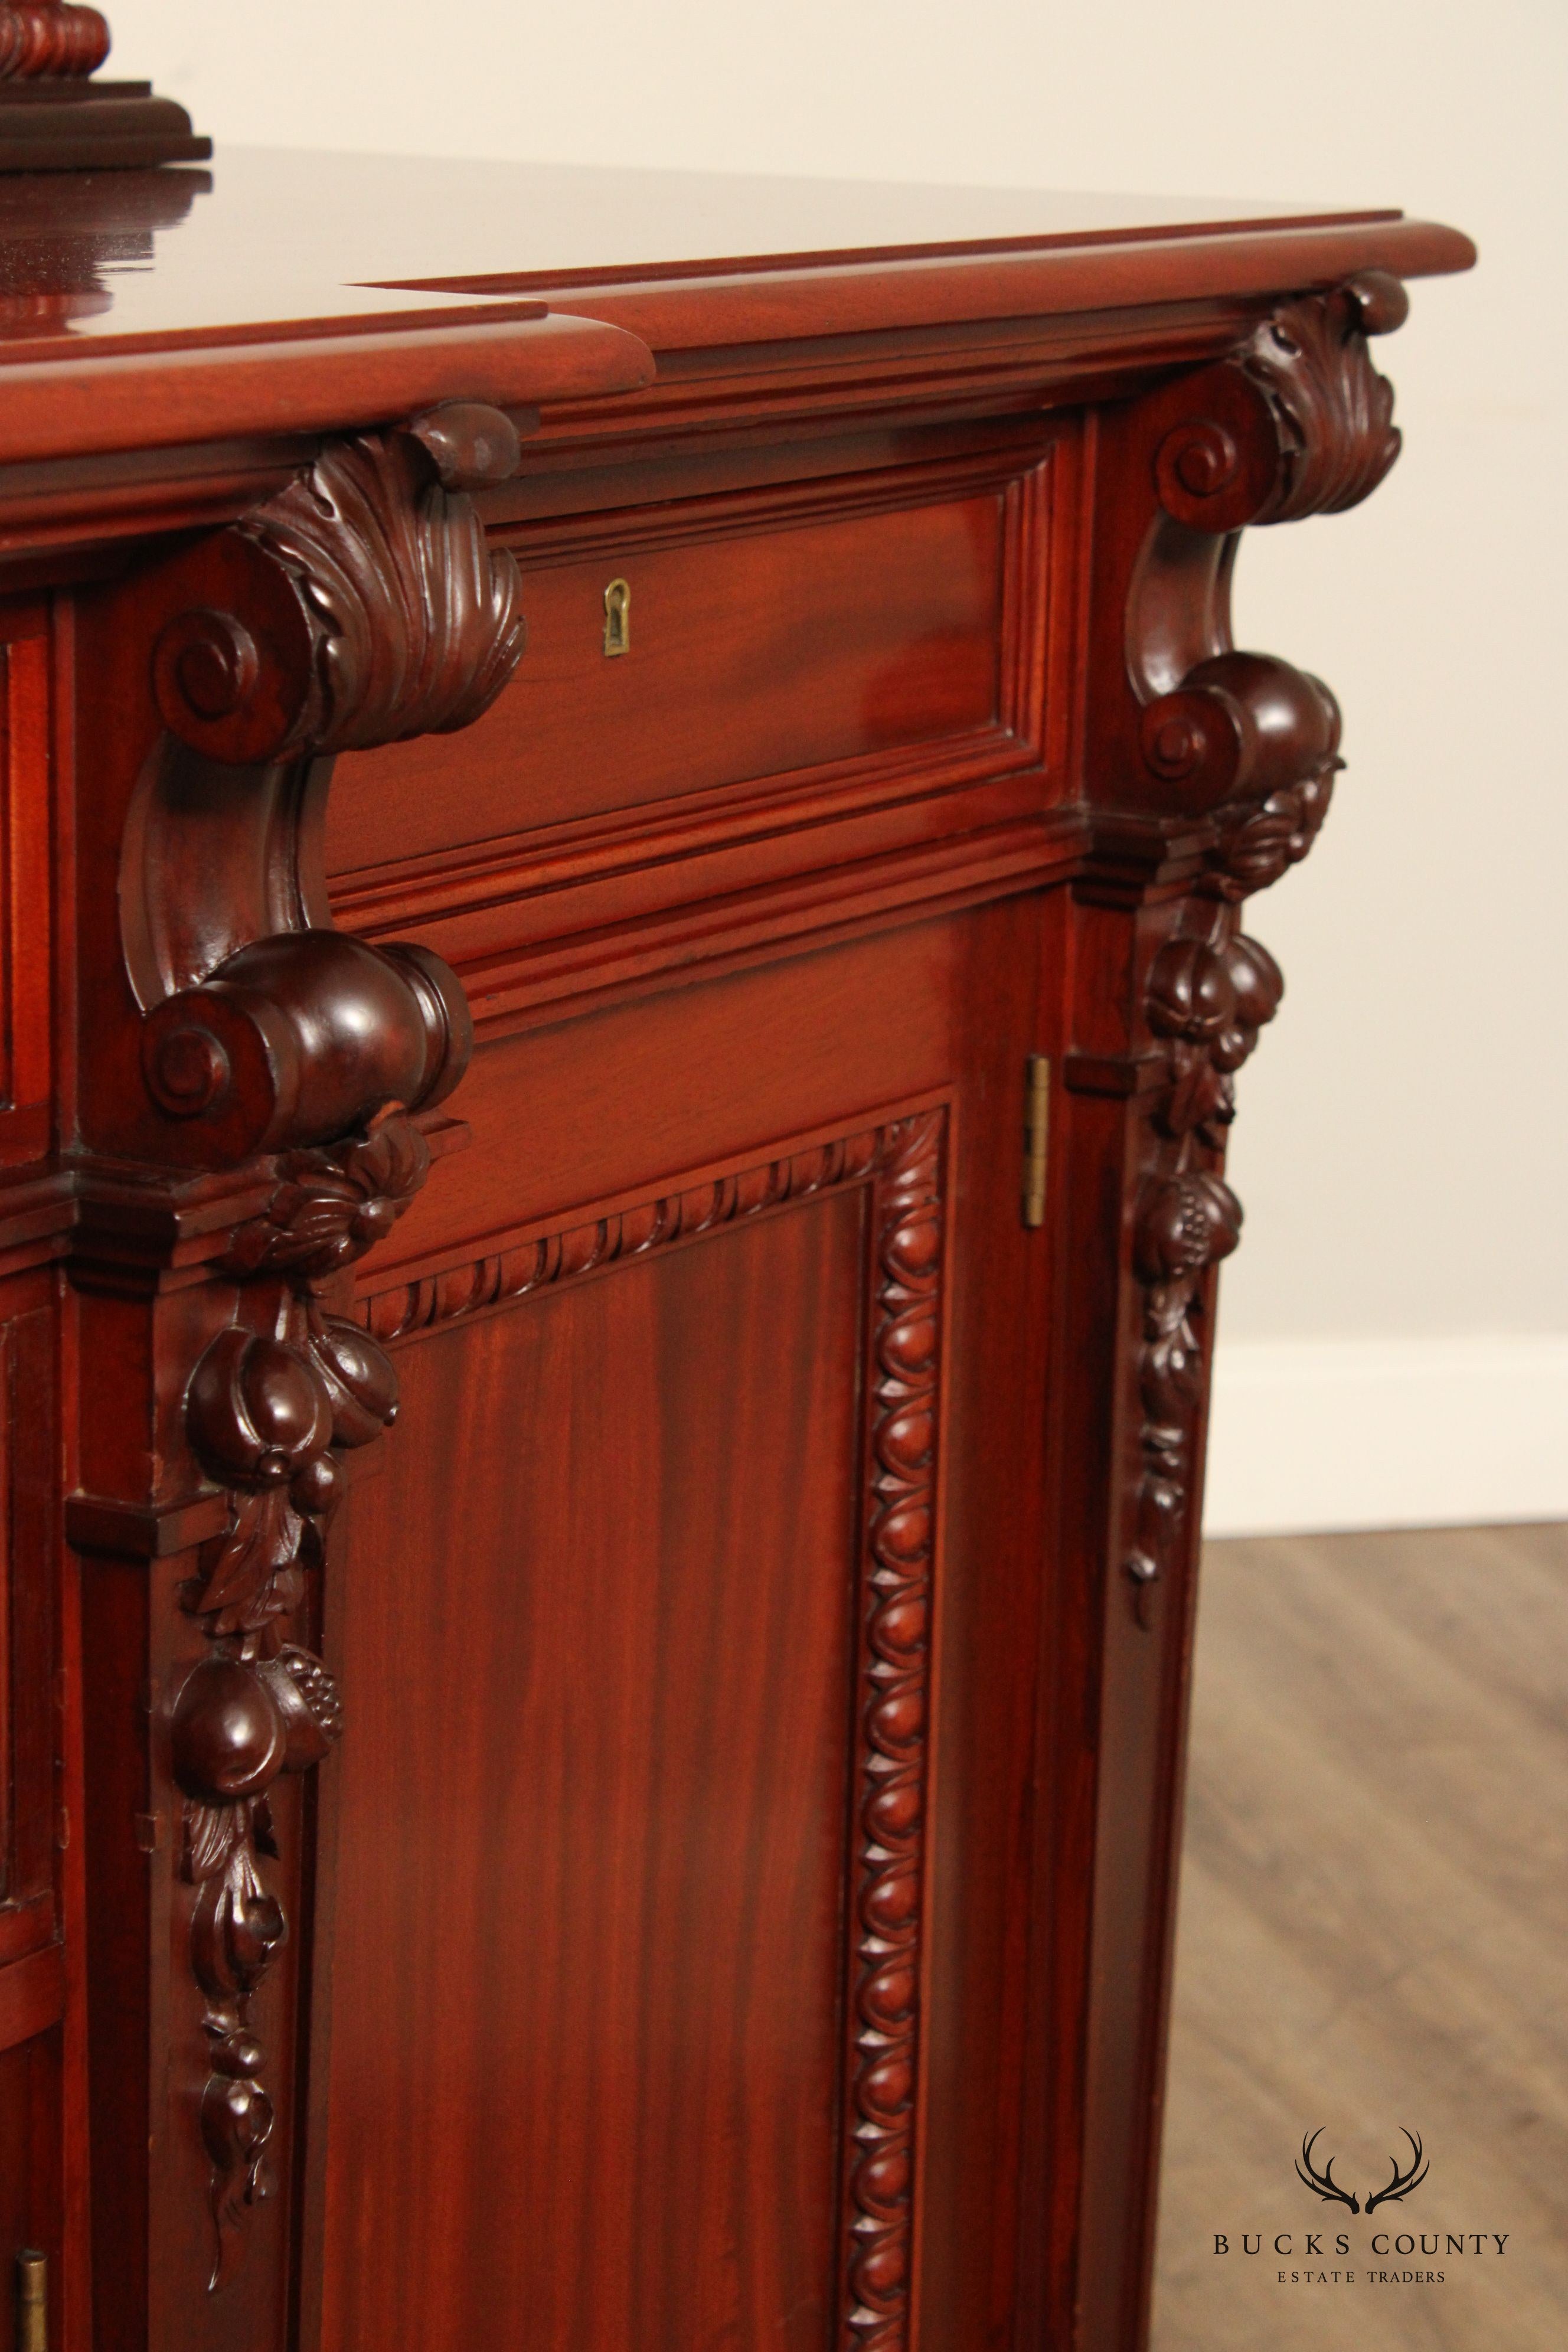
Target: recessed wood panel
26	929
28	1736
749	656
594	1813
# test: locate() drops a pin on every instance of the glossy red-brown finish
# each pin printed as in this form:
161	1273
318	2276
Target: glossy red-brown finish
601	1754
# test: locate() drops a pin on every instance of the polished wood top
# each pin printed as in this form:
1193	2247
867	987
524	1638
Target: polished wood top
310	267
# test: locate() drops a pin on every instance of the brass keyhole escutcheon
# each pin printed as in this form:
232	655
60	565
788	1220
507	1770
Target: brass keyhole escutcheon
619	617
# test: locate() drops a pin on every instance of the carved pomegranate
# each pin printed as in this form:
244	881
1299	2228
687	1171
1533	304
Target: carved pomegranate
229	1736
360	1381
254	1411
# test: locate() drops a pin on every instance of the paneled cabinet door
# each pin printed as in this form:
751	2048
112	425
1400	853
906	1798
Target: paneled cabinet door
672	1900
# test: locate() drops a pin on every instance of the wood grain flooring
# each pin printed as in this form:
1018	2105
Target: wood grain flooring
1374	1934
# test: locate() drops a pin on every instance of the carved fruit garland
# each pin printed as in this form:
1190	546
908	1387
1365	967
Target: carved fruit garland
272	1404
1207	996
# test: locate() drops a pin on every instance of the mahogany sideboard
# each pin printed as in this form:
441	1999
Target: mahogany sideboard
628	804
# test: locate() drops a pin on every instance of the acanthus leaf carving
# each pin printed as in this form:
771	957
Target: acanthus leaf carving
1298	422
376	611
1334	411
359	606
330	1206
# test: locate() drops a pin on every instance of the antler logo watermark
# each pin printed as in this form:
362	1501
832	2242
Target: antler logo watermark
1324	2184
1320	2264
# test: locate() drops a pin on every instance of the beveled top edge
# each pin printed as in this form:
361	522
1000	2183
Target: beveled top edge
496	283
785	303
288	293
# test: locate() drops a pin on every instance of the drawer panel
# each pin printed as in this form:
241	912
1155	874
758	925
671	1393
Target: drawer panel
749	656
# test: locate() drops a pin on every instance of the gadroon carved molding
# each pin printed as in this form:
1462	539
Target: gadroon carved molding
1237	752
359	606
896	1611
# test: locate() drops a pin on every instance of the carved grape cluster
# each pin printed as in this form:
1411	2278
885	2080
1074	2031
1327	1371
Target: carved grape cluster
1206	998
1209	1002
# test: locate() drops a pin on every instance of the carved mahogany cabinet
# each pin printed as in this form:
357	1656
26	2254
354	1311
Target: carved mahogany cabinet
627	809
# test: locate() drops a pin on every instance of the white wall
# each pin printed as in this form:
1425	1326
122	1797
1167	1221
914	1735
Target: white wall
1401	1150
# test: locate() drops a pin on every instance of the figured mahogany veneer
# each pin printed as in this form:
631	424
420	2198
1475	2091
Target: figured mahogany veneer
598	1610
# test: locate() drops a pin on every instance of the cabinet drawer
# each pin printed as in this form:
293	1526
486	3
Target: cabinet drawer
752	653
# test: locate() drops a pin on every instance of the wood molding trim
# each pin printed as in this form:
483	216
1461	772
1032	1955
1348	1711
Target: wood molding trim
883	2010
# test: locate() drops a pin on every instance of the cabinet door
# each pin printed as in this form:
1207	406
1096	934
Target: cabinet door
673	1909
36	2090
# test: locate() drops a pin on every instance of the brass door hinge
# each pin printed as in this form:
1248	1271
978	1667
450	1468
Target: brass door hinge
32	2301
1037	1136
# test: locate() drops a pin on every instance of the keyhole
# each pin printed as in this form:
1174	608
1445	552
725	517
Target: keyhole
619	617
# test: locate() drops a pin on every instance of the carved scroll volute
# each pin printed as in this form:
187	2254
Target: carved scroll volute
1298	423
1222	764
359	606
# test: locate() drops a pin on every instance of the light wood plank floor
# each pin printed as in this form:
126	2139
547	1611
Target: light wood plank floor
1374	1933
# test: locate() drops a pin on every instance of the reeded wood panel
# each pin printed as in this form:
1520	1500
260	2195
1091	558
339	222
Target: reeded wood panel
634	1813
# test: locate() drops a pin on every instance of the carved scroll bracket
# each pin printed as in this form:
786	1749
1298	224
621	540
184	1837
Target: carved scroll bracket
1231	756
358	606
